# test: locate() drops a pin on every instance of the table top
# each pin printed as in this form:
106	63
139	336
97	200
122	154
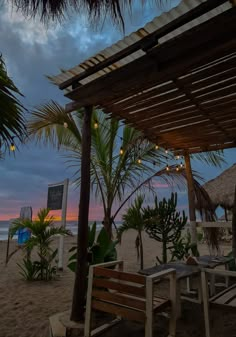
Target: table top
184	270
210	261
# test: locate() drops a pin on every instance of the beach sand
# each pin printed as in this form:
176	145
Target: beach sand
26	306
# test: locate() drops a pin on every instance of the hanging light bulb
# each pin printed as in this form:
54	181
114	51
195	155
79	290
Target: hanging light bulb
121	151
95	124
65	125
156	147
12	147
166	151
177	157
181	164
167	167
177	168
139	160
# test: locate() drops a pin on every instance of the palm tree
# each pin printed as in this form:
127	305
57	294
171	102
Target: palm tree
42	233
121	160
133	219
50	10
120	157
11	111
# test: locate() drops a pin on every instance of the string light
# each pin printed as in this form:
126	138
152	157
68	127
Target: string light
177	168
139	160
177	157
156	147
181	164
166	151
95	124
65	125
12	147
167	168
121	151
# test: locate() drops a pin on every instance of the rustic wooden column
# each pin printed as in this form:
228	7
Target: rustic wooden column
78	302
234	227
191	198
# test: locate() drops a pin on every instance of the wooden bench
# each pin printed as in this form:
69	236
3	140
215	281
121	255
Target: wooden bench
226	298
127	295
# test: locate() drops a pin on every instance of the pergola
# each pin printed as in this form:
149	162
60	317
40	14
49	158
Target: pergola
174	80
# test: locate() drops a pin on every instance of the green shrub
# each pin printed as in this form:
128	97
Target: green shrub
100	250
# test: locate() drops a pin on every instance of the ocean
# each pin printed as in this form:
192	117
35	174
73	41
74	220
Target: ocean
71	225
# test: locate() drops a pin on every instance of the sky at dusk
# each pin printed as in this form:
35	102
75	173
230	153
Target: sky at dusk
31	51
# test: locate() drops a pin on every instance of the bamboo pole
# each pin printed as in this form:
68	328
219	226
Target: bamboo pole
79	294
191	198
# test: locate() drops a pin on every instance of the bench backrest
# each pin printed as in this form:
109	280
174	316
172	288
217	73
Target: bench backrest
119	292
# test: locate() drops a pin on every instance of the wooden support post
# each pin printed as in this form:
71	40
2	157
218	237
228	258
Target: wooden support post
191	198
79	294
234	227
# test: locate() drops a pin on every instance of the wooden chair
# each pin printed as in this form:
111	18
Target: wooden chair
127	295
226	298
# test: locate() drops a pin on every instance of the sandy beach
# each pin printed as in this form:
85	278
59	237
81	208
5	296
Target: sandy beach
26	306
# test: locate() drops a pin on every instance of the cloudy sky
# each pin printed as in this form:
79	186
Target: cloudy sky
32	51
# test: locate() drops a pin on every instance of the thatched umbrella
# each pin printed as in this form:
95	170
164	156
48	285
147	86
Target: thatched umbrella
221	189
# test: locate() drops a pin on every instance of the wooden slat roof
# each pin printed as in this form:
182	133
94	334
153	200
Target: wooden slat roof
180	92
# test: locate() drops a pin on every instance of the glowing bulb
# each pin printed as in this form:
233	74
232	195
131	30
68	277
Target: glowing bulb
166	151
95	124
139	161
12	147
181	164
156	147
177	157
167	168
65	125
177	168
121	151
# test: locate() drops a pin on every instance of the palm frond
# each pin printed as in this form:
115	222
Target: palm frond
12	121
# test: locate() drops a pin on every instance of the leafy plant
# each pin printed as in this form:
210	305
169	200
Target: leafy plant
29	270
134	219
232	264
100	250
42	233
182	248
164	223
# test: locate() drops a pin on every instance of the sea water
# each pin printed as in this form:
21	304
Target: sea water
71	225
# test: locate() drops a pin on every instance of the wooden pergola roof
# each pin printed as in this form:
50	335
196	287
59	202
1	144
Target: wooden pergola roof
174	81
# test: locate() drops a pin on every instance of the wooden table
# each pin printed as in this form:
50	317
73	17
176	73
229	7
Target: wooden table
190	272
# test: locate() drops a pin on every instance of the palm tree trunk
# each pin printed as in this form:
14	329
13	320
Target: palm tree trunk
141	249
107	222
79	294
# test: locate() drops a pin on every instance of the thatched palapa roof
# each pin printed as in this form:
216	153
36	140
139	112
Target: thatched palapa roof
221	189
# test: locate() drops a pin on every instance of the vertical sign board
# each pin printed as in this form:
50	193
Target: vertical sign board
23	233
57	199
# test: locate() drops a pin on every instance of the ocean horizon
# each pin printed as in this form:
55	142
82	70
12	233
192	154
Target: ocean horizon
72	225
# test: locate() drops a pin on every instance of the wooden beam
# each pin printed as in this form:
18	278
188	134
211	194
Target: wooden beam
215	224
191	198
234	226
148	41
